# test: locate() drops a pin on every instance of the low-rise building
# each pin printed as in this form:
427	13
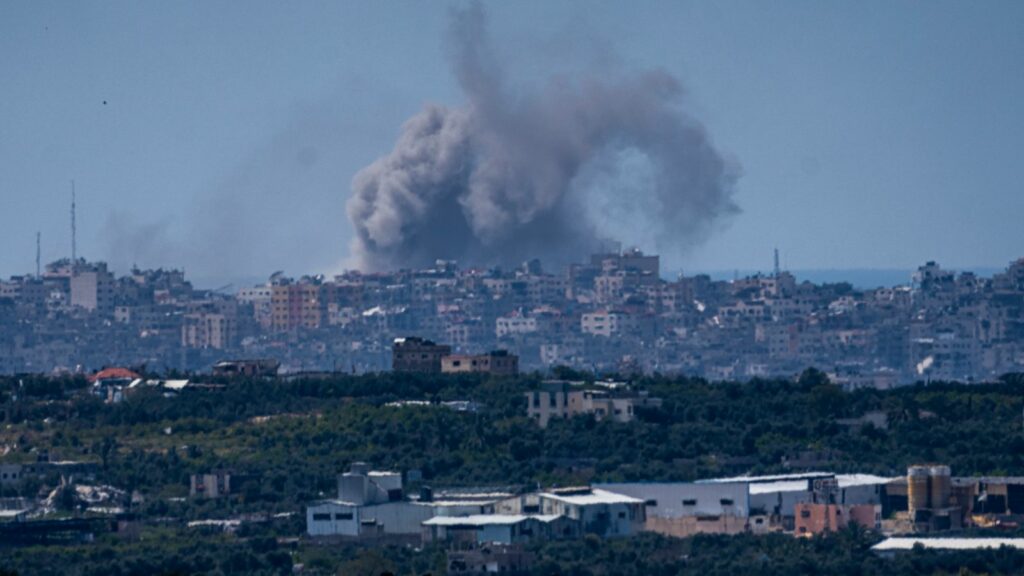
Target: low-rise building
597	511
213	485
372	504
561	399
685	508
256	367
498	362
414	354
812	518
504	529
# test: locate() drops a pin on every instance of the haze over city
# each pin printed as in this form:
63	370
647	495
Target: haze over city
225	140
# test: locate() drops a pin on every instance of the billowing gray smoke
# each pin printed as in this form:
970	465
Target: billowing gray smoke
508	177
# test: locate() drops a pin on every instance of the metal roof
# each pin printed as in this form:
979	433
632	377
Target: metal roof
947	543
486	520
594	496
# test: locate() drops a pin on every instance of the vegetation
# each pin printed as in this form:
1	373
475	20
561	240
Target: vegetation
164	551
293	437
286	441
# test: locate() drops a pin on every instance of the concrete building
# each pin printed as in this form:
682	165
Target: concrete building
213	485
777	496
685	508
208	330
10	474
561	399
92	287
372	504
812	519
256	367
613	323
417	355
597	511
296	305
498	362
506	529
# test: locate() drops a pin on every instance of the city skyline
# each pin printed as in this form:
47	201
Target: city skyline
918	167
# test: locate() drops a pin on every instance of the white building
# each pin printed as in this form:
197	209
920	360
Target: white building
597	511
372	504
686	508
499	528
514	325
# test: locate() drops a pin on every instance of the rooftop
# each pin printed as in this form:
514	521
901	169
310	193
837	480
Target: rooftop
486	520
595	496
947	543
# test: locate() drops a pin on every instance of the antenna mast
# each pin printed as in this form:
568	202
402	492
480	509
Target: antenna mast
776	262
74	231
38	252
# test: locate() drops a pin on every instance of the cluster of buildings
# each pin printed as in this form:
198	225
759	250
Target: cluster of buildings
373	506
613	313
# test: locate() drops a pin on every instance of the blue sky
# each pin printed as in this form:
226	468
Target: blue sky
870	134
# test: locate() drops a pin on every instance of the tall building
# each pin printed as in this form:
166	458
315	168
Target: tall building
92	287
297	306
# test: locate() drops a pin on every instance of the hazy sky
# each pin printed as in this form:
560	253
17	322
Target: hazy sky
222	136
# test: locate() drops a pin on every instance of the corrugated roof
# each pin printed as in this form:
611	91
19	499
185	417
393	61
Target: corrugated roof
486	520
595	496
770	478
947	543
780	486
848	480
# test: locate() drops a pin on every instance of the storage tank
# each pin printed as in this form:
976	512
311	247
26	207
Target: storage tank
917	489
941	486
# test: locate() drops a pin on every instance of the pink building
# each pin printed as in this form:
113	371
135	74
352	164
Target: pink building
820	518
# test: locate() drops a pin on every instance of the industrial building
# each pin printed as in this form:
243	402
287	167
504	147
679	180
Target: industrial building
499	528
685	508
597	511
372	504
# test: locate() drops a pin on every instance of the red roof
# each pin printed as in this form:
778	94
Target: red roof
113	374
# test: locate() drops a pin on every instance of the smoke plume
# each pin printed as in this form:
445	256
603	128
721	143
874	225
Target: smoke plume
509	176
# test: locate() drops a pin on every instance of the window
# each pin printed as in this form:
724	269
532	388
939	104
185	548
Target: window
651	503
622	514
689	502
805	513
343	516
726	502
321	517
